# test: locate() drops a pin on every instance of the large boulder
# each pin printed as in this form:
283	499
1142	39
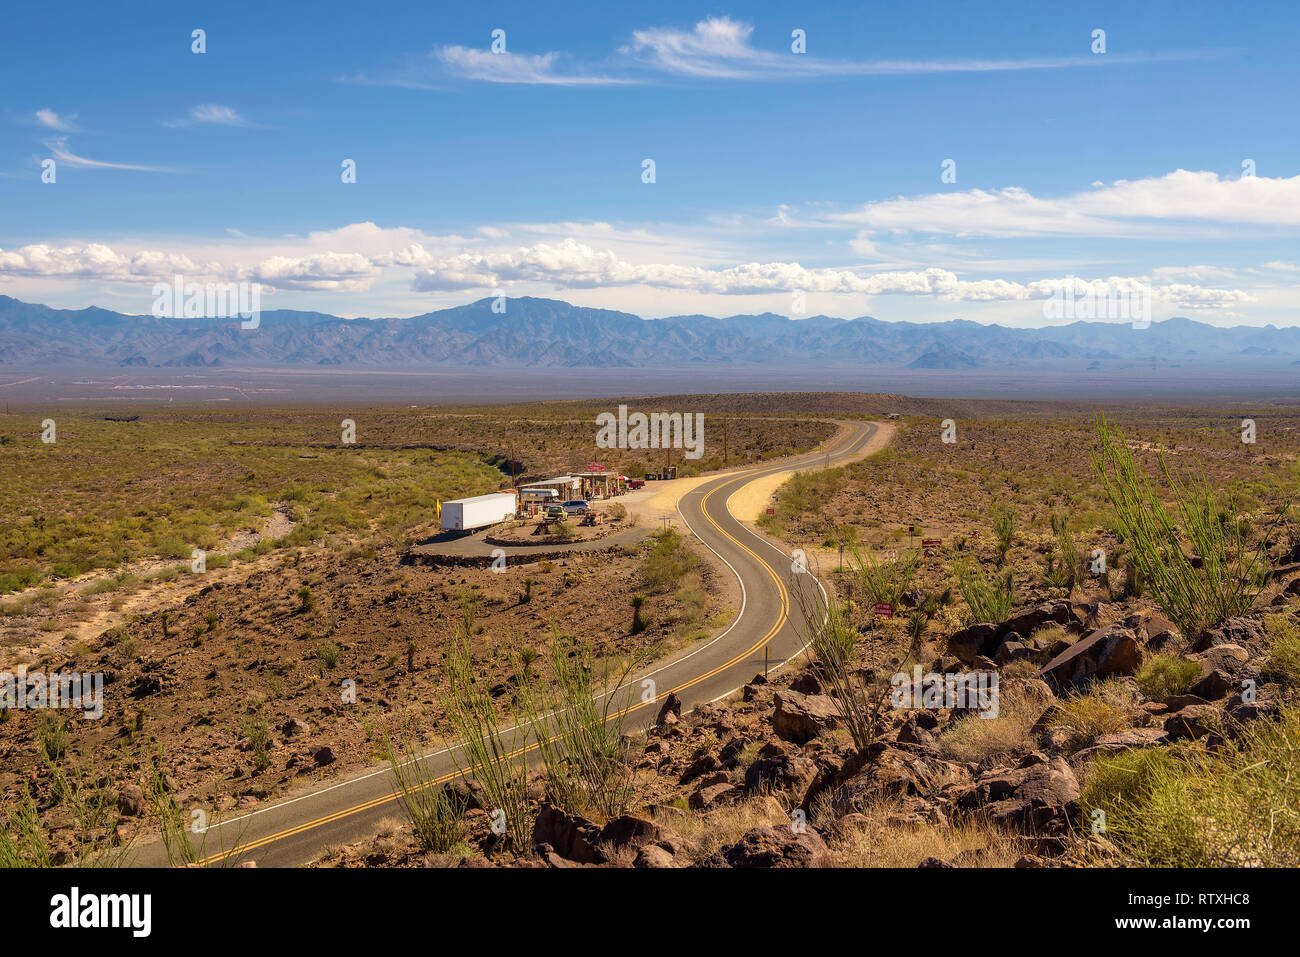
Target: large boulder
1249	633
773	847
984	640
1028	621
712	795
629	831
670	712
1194	721
972	642
799	717
780	772
572	837
1037	797
885	770
1112	650
1126	740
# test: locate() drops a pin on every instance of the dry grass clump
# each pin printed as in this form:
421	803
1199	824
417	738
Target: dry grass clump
1107	707
712	830
870	839
974	738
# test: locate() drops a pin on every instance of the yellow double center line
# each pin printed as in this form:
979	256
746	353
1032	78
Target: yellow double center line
452	775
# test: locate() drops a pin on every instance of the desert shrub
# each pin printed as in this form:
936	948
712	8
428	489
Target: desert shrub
1283	662
257	731
1105	708
883	581
831	637
578	723
1167	675
1004	531
1229	572
974	738
989	598
667	560
495	754
1237	806
328	655
22	839
436	812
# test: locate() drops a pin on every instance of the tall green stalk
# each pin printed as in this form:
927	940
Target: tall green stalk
1228	572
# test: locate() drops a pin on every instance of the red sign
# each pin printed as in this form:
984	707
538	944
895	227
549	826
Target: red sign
595	467
884	609
771	511
930	544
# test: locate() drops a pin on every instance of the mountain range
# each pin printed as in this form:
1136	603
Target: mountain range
547	333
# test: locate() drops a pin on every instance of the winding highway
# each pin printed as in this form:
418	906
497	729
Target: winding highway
293	831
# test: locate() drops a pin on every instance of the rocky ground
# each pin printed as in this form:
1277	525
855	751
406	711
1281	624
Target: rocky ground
237	687
770	778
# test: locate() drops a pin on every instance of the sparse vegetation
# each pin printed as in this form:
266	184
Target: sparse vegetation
989	598
1224	572
1167	675
1237	806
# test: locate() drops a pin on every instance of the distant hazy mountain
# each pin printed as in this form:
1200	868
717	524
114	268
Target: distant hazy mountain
545	333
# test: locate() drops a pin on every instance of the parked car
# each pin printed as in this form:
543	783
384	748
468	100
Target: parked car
576	506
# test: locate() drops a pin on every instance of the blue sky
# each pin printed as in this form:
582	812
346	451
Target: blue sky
774	171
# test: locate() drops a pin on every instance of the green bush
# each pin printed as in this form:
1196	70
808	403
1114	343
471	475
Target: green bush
1167	675
1237	806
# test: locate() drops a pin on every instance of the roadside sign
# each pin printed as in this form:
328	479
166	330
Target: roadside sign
889	555
884	609
930	544
771	511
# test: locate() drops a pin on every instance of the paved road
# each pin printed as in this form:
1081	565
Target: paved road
293	831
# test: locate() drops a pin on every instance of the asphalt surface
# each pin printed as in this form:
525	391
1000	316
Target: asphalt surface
766	631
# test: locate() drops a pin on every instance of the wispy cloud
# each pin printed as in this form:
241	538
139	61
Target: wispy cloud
53	121
210	114
720	48
535	68
1178	205
58	147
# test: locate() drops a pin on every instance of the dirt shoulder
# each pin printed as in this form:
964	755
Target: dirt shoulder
748	503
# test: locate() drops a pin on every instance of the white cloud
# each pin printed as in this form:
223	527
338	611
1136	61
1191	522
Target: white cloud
720	48
95	261
717	48
1152	208
210	114
355	257
506	67
58	147
53	121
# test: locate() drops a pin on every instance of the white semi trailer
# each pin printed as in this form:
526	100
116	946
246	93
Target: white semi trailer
463	514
